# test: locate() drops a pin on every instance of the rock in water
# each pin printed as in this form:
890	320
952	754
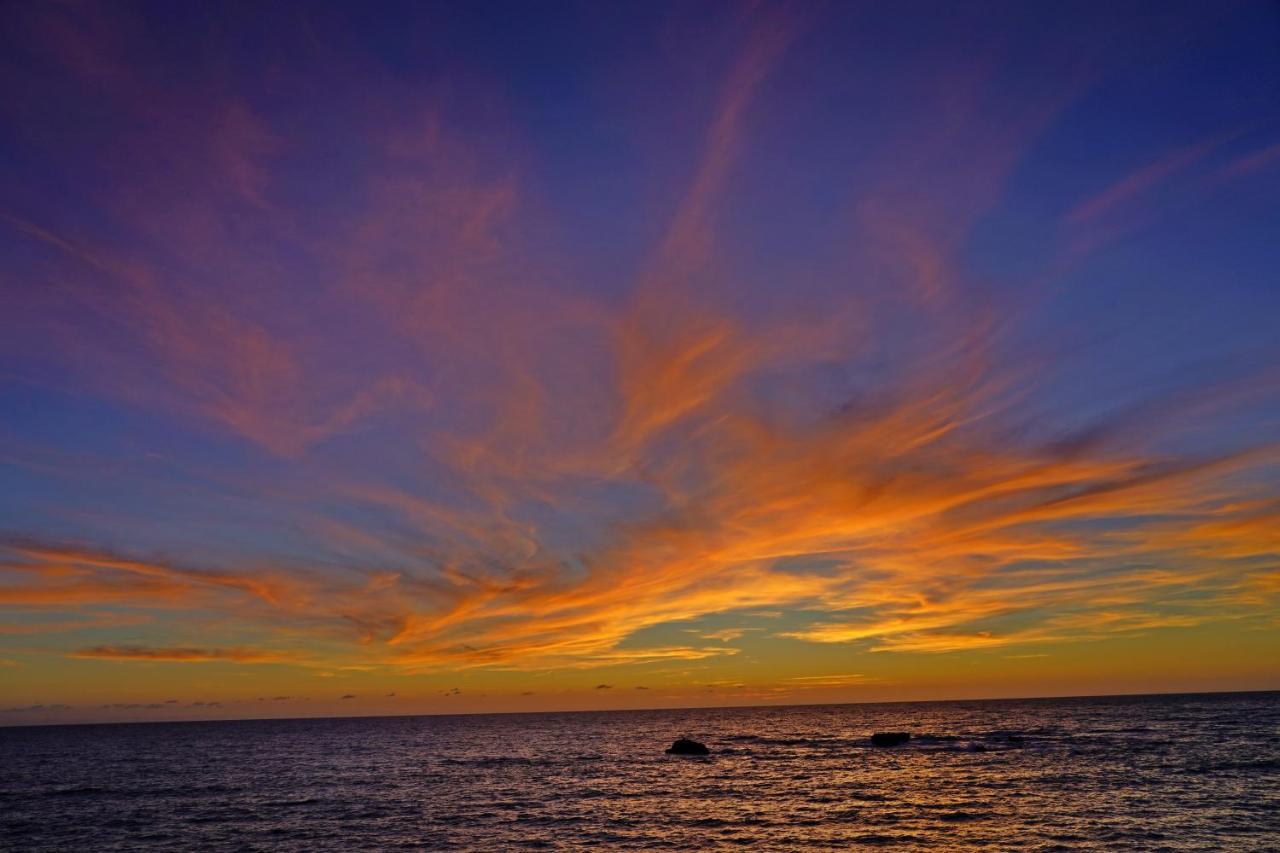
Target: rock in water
890	738
684	746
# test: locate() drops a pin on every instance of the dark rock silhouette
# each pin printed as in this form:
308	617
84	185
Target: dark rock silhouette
890	738
684	746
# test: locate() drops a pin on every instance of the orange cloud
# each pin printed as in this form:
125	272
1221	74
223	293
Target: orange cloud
71	574
928	520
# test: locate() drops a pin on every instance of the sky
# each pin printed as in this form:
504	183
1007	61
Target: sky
431	358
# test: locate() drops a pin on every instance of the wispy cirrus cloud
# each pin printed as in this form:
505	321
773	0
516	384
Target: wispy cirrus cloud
1130	187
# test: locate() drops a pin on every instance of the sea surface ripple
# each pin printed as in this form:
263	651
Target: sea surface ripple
1193	772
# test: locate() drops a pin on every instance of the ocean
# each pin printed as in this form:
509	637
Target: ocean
1190	772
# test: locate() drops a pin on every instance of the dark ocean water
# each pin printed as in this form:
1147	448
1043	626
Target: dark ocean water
1143	773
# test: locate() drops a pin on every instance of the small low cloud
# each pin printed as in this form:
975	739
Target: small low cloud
349	696
641	687
604	687
27	708
390	696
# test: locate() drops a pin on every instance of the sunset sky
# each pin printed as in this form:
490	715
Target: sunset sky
400	358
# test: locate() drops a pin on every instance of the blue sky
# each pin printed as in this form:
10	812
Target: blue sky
780	352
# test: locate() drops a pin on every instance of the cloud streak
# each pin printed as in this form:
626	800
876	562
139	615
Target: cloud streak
180	655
